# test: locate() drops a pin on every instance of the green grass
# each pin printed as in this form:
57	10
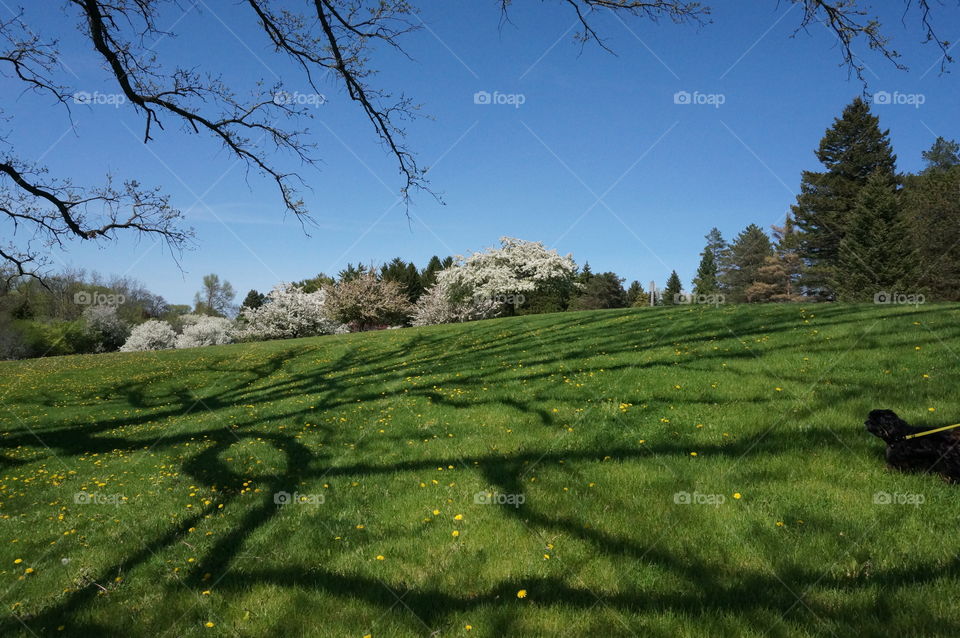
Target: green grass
599	419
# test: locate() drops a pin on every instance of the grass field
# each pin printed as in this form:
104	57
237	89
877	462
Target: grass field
138	491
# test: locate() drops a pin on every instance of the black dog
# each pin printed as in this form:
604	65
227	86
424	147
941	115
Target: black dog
937	453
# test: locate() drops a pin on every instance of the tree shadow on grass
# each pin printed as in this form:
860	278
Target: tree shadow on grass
344	380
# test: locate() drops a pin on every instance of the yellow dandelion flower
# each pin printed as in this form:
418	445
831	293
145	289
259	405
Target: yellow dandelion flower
209	624
522	593
380	557
736	495
455	533
17	561
458	517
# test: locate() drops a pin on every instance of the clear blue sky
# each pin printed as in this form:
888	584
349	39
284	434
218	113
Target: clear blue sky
598	160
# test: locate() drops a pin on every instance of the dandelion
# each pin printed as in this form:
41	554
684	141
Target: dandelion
458	517
380	557
209	624
28	570
455	533
17	561
931	409
522	593
778	389
736	495
779	523
693	454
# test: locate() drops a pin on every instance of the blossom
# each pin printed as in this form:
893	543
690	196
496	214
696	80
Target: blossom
522	593
288	312
150	335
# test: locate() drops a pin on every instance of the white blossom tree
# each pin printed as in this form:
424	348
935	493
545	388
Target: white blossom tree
205	331
504	274
288	313
150	335
107	330
436	305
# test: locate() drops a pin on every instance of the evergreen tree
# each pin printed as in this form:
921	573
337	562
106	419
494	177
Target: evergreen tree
637	297
351	273
404	274
253	299
705	282
942	156
315	283
876	253
932	208
428	276
852	149
748	254
673	288
602	290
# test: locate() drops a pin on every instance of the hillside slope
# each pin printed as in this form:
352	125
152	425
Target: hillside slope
680	471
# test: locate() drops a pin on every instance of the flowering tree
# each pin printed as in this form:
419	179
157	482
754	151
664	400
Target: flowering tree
107	331
504	274
288	312
150	335
205	331
366	302
436	305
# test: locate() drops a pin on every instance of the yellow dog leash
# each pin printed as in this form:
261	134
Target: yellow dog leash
946	427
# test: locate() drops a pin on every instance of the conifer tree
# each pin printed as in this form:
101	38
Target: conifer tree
853	149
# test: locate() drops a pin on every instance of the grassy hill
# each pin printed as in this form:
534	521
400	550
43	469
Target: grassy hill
138	491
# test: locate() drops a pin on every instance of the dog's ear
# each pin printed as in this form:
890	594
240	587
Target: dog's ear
885	424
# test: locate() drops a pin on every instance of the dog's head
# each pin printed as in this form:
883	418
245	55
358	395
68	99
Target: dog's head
886	425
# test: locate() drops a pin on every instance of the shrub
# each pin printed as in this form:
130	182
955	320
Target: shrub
366	302
150	335
288	312
205	331
441	304
106	331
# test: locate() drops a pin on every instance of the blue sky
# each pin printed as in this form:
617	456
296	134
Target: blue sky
598	161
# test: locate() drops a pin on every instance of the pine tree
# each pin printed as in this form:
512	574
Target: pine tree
705	282
602	290
672	290
720	250
637	297
942	156
852	149
404	274
932	208
428	276
875	254
254	299
748	254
